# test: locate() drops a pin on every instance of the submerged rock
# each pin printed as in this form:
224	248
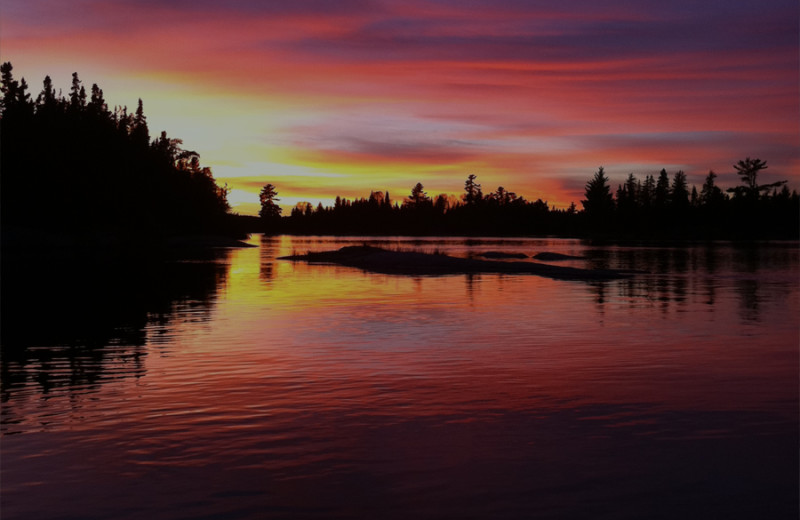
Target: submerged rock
379	260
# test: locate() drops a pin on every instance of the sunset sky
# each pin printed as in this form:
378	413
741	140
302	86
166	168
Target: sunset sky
325	98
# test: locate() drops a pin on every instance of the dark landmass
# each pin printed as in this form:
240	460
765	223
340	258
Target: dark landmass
379	260
84	173
500	254
643	210
550	257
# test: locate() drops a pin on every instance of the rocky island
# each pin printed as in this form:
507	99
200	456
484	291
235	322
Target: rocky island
379	260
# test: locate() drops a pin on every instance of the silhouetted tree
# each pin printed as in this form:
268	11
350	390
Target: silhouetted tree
628	196
441	203
599	202
88	174
97	104
694	198
16	100
418	197
647	193
472	191
748	172
8	85
302	209
269	207
679	192
661	194
140	133
710	194
77	94
47	97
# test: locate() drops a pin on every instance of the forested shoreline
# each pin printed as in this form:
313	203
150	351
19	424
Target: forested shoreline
72	166
661	208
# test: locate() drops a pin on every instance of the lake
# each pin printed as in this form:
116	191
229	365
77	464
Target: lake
229	384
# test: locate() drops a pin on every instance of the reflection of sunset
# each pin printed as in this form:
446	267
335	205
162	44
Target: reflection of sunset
282	384
443	343
382	96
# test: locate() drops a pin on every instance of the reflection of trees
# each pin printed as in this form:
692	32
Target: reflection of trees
77	320
471	281
680	268
748	299
679	275
268	251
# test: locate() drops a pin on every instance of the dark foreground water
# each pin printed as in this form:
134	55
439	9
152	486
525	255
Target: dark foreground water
234	385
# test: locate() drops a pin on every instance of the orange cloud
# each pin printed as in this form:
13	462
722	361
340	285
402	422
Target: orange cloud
327	98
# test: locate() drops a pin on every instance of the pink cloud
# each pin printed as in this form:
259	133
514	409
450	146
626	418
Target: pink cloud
527	92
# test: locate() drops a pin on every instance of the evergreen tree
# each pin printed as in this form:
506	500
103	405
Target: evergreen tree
77	94
472	191
628	196
418	197
710	194
87	173
748	172
139	131
679	193
47	98
440	203
8	85
23	97
97	104
647	193
599	201
661	194
269	207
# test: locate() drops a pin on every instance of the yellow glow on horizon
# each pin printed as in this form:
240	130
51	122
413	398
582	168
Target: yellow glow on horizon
293	100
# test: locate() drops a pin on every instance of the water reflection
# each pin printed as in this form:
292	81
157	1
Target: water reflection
269	248
246	387
677	278
73	321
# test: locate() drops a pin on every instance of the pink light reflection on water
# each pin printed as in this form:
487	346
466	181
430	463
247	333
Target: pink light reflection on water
324	380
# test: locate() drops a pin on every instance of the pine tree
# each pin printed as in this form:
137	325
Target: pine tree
748	172
77	94
472	191
679	192
710	194
418	197
661	194
599	201
269	207
140	133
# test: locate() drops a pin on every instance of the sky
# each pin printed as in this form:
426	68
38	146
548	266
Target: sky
324	98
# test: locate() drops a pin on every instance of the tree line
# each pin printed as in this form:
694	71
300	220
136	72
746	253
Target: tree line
500	212
656	207
72	165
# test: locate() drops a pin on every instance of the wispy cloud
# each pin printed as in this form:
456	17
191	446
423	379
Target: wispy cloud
532	94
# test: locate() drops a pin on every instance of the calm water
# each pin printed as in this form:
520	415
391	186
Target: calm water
234	385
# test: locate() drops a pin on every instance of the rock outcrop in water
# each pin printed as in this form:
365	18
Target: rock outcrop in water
379	260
